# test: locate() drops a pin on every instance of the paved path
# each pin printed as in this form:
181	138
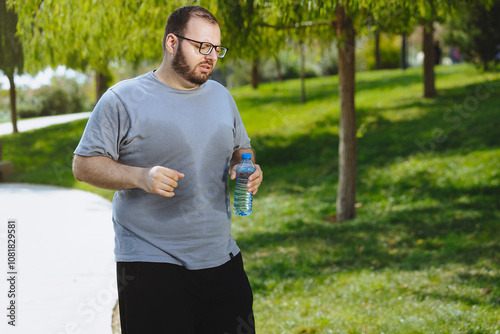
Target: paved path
40	122
64	260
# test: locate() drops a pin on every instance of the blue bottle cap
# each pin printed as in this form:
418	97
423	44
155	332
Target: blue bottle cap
246	156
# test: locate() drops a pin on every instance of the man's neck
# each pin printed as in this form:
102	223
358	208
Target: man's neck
168	76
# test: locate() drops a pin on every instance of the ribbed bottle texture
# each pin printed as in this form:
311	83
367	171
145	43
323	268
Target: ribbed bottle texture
243	198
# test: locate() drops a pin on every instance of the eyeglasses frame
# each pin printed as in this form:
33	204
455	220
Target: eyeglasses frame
211	46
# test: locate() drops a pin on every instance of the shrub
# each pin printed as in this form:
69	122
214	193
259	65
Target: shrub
389	49
63	96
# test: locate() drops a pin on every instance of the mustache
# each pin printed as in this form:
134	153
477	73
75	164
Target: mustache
207	62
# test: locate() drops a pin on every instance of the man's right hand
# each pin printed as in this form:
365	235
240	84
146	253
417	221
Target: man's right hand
103	172
161	180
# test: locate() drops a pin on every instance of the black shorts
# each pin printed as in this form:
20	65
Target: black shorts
163	298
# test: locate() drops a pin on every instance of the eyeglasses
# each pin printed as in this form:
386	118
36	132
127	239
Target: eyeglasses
206	48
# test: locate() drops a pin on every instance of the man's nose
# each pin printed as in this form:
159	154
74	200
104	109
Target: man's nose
213	54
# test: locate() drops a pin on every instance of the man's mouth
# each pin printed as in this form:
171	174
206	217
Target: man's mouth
206	68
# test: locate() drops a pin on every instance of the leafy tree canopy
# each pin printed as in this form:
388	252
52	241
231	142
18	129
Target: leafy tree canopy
11	52
476	32
84	34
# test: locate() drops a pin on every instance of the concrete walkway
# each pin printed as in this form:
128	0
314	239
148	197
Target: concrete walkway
65	281
40	122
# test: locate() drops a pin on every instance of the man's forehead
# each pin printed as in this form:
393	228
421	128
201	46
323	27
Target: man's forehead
202	26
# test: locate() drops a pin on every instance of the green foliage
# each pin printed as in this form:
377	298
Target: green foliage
88	34
422	254
476	32
394	17
290	63
11	52
63	96
4	106
319	62
240	23
389	49
425	11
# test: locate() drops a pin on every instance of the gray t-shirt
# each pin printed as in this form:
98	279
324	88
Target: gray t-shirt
144	122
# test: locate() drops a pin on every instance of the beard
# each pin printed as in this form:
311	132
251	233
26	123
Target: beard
181	67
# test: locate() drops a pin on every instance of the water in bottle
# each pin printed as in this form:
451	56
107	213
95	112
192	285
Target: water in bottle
243	198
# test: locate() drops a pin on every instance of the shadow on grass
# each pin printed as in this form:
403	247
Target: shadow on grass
449	124
403	240
450	232
389	80
481	280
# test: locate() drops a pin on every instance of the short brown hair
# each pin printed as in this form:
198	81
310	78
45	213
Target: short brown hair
178	20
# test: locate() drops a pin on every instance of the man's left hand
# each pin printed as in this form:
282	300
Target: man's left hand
254	180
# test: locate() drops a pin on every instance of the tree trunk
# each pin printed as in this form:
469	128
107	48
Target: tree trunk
13	108
346	193
404	64
278	69
429	88
302	73
254	76
101	85
377	49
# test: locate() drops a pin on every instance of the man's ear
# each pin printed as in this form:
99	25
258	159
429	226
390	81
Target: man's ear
171	43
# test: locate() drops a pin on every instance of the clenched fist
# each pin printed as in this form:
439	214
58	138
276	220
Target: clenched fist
161	180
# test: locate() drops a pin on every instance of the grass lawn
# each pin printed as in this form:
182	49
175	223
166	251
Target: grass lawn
423	253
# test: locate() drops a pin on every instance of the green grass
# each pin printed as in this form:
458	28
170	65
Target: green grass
423	253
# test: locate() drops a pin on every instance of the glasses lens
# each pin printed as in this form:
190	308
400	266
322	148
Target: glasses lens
222	51
205	48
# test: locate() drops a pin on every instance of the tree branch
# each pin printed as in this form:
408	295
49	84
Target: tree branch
300	25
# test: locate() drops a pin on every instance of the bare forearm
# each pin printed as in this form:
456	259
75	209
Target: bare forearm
103	172
106	173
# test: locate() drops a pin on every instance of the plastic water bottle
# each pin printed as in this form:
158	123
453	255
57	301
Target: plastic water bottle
243	198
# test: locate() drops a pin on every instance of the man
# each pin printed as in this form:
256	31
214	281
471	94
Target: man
166	141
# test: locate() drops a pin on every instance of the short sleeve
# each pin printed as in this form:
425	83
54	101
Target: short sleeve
106	129
241	139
